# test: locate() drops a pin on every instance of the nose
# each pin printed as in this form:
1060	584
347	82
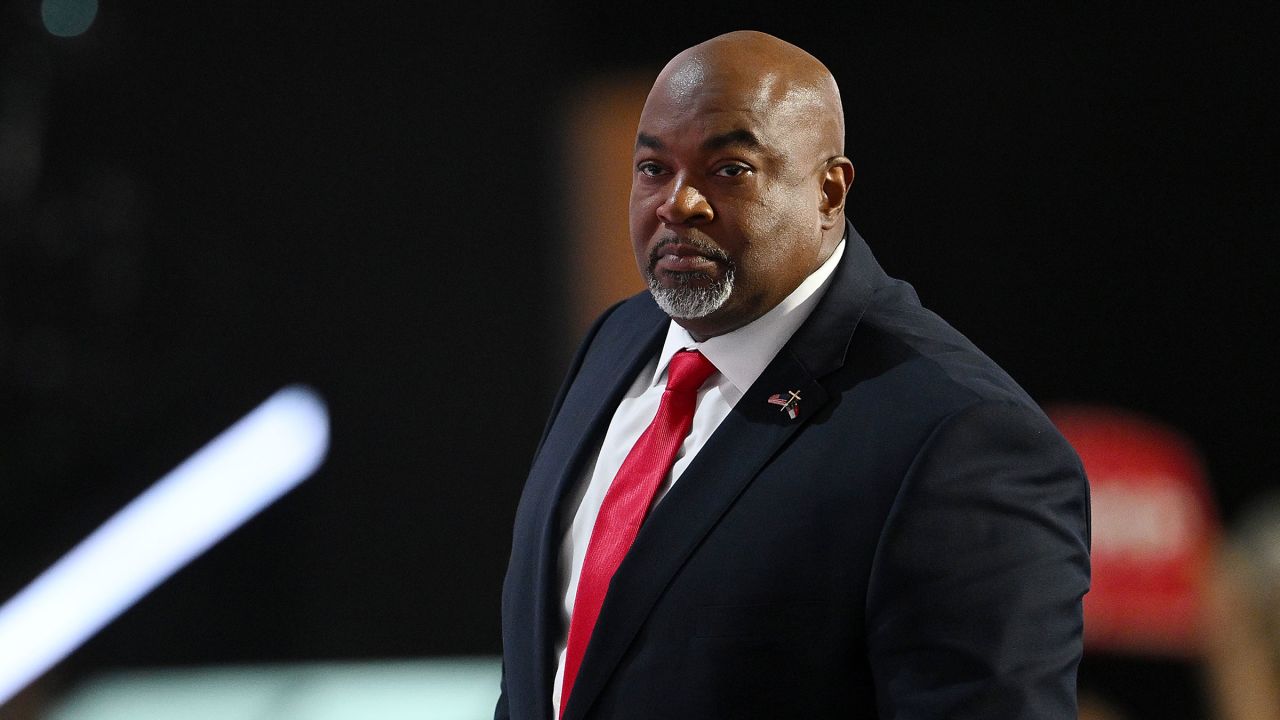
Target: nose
685	206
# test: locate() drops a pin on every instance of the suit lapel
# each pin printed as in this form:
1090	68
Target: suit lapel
624	345
743	444
724	467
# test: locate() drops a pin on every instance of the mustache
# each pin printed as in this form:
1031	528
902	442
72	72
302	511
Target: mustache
704	247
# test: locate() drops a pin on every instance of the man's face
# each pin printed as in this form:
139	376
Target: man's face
725	198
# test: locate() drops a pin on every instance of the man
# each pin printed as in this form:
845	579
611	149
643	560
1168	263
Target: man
835	507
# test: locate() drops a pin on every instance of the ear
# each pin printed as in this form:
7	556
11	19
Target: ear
836	180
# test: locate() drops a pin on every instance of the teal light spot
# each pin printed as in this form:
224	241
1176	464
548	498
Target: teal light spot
68	18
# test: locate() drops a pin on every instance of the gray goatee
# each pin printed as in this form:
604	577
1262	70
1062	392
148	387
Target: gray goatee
686	301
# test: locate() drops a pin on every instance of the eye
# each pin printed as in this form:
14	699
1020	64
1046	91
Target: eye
650	168
733	170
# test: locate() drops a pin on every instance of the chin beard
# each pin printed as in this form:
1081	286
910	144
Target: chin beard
687	302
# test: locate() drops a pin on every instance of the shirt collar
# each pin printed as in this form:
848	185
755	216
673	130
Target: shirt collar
742	355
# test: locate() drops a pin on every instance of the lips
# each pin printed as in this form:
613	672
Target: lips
684	257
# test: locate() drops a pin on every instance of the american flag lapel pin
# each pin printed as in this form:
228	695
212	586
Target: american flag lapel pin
790	405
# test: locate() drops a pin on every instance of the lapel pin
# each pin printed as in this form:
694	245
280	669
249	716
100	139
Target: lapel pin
790	405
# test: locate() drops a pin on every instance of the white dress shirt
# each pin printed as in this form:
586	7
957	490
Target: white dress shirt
740	357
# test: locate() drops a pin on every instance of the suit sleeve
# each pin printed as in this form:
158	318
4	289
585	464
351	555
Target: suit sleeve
974	607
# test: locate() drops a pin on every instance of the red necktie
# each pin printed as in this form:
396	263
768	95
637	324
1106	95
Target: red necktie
627	501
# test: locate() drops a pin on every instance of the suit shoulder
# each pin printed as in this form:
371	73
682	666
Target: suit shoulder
901	340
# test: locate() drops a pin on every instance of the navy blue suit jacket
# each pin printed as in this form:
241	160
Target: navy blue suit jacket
914	544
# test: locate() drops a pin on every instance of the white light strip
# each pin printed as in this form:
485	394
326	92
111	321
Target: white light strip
258	459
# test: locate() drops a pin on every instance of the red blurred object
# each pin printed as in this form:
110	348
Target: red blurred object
1155	527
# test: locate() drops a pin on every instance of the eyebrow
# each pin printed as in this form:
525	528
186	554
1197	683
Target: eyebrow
743	138
648	141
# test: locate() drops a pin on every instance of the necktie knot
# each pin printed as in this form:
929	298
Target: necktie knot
687	371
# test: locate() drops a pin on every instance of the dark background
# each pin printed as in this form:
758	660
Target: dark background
199	205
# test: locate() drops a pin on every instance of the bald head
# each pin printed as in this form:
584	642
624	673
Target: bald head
768	74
